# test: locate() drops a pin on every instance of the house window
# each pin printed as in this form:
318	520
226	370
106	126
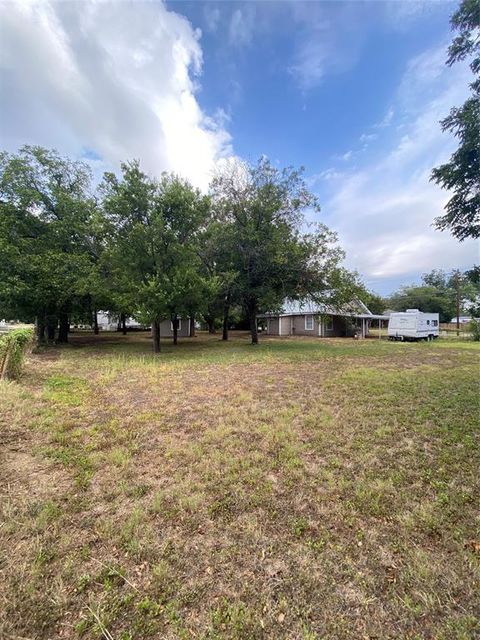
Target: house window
328	323
179	324
308	323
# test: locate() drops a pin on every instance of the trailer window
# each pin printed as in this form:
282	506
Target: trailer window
435	323
428	321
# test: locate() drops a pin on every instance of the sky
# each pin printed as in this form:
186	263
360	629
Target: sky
351	91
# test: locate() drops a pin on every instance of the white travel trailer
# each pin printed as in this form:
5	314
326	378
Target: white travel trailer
413	324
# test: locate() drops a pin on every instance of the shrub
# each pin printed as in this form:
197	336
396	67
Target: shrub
474	328
12	350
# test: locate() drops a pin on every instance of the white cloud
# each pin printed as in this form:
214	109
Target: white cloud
400	14
345	157
384	212
365	138
333	34
242	24
323	48
212	17
329	174
386	120
117	78
308	67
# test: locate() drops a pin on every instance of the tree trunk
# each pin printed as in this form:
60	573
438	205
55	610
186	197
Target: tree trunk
156	336
63	327
123	318
51	322
226	311
192	327
95	323
211	324
253	323
175	328
40	329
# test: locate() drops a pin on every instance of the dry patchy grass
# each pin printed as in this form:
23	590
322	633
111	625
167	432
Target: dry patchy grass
302	489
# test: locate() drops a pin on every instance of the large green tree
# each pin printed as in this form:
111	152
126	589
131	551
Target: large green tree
375	303
217	253
274	254
426	298
461	174
153	249
438	294
45	237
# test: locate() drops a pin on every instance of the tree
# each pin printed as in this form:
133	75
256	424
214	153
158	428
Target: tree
134	256
273	256
425	298
217	252
153	249
462	173
46	214
471	300
375	303
439	293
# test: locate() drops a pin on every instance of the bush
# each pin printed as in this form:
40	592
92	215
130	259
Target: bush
474	328
12	350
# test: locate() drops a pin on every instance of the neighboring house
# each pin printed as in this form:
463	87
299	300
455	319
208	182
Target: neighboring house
461	320
108	322
166	328
306	318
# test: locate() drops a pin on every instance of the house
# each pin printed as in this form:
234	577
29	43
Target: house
306	318
183	328
108	322
461	320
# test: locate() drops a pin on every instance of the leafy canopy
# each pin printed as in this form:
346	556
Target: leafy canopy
438	294
46	213
461	174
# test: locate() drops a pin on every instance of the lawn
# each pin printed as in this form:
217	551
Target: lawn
302	489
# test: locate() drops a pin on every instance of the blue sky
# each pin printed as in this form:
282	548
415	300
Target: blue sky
353	91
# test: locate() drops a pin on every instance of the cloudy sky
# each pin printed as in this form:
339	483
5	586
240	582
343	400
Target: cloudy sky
353	91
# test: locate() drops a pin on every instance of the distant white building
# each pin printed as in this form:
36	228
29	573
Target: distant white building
461	319
109	322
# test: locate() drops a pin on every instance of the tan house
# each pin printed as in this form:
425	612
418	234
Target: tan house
306	318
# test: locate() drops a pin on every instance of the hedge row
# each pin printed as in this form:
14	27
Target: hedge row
13	347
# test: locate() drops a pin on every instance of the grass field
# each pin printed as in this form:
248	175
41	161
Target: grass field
302	489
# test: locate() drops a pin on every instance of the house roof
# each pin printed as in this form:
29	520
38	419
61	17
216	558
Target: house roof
355	309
